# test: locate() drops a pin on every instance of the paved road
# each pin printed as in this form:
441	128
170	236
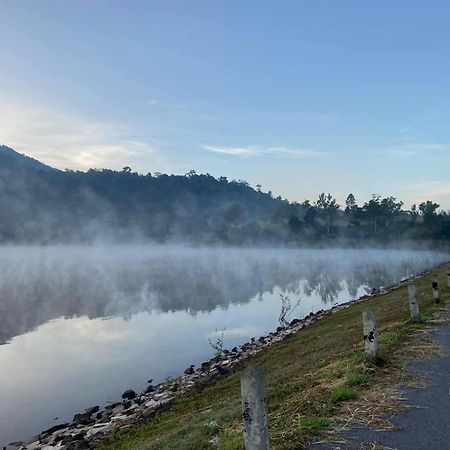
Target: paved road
426	427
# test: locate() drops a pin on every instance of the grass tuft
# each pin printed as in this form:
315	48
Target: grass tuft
343	393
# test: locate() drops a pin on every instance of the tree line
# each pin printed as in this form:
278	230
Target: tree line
379	219
39	204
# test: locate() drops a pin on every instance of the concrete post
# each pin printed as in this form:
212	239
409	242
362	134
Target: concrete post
370	334
436	293
256	433
413	305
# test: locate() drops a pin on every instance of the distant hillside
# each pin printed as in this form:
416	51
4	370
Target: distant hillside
39	204
42	204
10	159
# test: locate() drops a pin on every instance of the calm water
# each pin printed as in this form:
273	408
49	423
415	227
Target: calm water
79	325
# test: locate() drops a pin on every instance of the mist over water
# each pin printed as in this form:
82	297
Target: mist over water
79	325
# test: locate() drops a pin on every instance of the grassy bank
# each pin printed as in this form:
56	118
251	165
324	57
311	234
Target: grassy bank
310	378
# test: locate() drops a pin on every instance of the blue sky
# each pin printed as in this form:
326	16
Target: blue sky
300	97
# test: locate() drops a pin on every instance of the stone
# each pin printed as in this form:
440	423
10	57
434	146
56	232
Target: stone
221	370
119	418
151	404
150	388
129	394
82	418
104	416
92	410
190	370
54	428
80	444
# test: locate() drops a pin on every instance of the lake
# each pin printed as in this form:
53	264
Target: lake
80	325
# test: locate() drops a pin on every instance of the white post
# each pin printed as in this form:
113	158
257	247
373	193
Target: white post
370	334
436	293
413	305
256	431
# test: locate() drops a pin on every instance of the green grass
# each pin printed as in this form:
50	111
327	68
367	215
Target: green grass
343	393
308	377
314	423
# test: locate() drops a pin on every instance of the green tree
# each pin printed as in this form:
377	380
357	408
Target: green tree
389	209
328	208
372	210
428	211
350	203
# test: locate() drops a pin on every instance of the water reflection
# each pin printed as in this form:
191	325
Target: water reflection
40	284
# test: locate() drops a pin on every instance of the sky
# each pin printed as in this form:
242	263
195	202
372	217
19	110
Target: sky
302	97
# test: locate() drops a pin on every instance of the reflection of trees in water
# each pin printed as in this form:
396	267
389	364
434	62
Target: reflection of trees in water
40	287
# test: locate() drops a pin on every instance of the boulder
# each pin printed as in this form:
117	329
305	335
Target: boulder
129	394
150	388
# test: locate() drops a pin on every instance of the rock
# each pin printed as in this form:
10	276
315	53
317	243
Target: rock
295	322
127	404
104	416
54	428
234	350
92	410
190	370
36	445
80	444
150	381
149	389
221	369
119	418
151	404
82	418
129	394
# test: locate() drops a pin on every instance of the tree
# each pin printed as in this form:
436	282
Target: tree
414	212
428	211
389	208
329	207
350	203
372	209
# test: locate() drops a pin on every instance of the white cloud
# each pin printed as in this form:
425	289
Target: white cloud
254	150
65	141
416	148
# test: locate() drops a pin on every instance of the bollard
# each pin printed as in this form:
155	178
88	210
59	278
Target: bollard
256	433
436	293
370	334
413	305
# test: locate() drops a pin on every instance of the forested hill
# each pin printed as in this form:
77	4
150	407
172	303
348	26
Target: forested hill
41	204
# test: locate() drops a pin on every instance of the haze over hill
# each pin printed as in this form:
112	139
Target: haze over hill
40	204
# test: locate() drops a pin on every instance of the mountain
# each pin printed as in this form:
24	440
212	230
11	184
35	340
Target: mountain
12	160
40	204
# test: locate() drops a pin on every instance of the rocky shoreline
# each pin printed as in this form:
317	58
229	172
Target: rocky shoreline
90	427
